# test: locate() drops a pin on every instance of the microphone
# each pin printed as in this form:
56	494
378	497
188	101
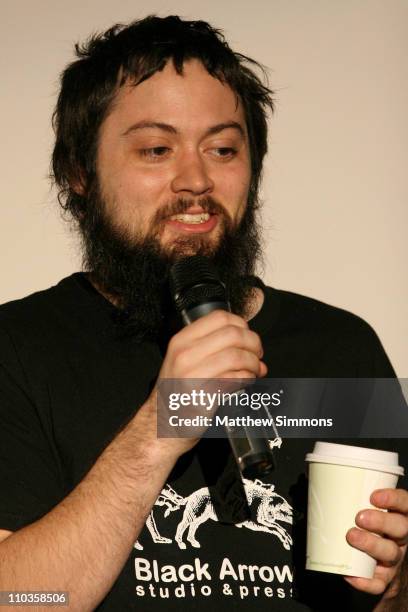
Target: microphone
197	290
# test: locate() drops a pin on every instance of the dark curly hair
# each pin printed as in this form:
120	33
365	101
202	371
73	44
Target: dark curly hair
135	52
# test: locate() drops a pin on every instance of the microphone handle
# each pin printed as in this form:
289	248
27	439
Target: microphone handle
192	314
252	453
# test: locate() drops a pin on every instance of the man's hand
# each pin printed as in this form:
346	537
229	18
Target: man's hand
383	536
219	345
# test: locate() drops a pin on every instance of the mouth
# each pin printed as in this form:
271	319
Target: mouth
198	223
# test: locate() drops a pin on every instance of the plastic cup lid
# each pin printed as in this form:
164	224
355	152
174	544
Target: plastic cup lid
355	456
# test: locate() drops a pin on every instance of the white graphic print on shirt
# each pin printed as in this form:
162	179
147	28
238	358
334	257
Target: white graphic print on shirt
173	577
271	509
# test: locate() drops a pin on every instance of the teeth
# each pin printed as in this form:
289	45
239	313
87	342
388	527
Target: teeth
188	218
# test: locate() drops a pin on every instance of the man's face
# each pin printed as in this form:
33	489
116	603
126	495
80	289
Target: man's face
173	176
173	160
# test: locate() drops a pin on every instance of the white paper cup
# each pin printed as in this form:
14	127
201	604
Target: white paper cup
341	480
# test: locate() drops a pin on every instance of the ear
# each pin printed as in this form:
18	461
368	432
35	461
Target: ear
78	183
78	188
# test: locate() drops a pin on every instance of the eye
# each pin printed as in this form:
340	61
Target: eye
154	152
224	152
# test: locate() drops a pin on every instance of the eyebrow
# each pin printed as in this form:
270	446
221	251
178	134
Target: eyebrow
215	129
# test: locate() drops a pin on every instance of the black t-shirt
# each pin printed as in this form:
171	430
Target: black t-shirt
69	382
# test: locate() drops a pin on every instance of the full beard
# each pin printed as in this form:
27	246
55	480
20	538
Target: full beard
134	270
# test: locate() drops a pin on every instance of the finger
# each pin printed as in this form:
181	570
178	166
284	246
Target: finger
225	337
391	524
385	578
206	325
227	361
237	374
263	369
384	551
373	586
391	499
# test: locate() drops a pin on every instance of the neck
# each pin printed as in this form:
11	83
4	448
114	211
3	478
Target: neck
255	302
113	299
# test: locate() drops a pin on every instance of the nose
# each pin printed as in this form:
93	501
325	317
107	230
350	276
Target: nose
192	175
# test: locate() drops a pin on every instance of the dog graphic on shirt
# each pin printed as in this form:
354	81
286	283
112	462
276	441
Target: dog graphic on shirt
269	507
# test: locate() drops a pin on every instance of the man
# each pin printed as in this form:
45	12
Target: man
160	137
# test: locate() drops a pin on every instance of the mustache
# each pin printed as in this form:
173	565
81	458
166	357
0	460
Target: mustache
181	205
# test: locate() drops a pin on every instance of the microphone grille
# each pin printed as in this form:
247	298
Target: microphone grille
194	280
